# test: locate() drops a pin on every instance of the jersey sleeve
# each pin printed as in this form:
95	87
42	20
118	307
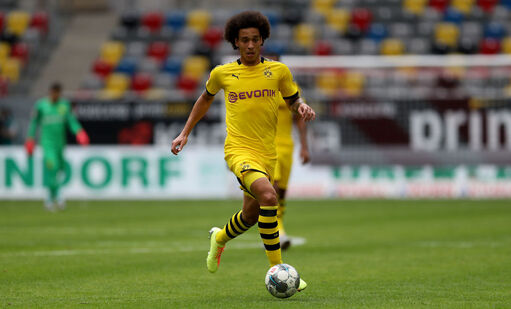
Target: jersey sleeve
34	120
214	83
287	85
72	122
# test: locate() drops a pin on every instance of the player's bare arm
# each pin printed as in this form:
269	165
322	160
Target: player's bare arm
199	109
304	145
299	107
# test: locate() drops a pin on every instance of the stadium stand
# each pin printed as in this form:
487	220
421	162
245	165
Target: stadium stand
174	50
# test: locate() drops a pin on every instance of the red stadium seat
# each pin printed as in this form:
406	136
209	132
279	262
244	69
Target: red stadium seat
4	86
439	5
489	46
2	21
212	36
323	48
153	21
361	18
102	68
186	83
487	5
158	50
20	51
40	21
141	82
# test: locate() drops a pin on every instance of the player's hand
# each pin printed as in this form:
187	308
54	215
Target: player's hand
29	146
82	138
305	155
178	143
306	112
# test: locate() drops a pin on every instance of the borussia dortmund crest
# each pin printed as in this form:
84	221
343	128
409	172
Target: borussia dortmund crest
267	73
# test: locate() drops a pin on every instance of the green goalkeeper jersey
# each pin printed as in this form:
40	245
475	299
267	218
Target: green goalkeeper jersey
53	119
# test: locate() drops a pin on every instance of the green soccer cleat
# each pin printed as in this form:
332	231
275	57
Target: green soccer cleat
302	285
215	251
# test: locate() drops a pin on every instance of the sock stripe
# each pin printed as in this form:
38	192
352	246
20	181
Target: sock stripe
267	225
245	224
269	236
272	247
226	228
268	212
238	225
234	228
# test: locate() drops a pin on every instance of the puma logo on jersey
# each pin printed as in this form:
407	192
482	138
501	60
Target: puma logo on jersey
235	76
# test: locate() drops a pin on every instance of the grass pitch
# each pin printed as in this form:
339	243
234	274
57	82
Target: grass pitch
358	254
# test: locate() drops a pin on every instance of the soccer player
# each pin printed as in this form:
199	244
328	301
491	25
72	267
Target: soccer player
284	146
53	114
251	86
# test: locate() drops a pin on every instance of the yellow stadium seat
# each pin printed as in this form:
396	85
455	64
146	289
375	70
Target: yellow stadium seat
305	35
199	20
447	33
11	70
464	6
195	67
117	83
5	51
17	22
506	45
353	83
112	52
338	19
328	82
392	47
323	6
415	6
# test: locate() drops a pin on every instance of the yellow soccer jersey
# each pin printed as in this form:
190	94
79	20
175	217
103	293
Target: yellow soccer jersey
252	100
285	126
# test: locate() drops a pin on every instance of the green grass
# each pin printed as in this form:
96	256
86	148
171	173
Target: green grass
358	254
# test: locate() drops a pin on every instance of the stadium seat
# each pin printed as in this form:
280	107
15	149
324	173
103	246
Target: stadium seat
176	20
141	82
5	52
323	6
494	30
195	67
506	4
487	5
130	21
153	21
4	86
489	46
20	52
212	36
447	33
328	82
165	80
112	52
439	5
400	30
368	47
506	45
453	15
415	6
136	49
17	22
472	30
102	68
293	16
40	21
338	19
187	84
274	47
464	6
199	20
353	83
127	66
305	35
418	46
273	17
468	45
158	50
353	33
172	66
323	48
116	85
11	70
392	47
377	32
2	21
362	18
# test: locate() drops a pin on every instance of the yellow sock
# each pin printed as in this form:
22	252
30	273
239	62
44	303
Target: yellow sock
269	231
280	216
235	227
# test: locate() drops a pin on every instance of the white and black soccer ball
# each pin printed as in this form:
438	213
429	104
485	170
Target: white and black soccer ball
282	280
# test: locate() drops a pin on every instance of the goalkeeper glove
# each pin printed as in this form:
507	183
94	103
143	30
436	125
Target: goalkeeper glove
82	138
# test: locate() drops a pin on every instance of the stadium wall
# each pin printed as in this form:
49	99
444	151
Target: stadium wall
148	172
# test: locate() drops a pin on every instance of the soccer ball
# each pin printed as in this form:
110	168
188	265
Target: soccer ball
282	280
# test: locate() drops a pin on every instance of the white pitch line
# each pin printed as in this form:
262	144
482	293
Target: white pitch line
296	241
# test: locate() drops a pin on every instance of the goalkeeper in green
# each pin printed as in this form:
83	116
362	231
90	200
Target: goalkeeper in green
53	114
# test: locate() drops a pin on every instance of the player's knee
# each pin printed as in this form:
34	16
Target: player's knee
268	198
